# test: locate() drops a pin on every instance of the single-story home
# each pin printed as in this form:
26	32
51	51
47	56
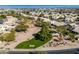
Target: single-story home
56	23
76	29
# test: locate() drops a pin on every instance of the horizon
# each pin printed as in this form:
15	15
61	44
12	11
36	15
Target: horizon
39	6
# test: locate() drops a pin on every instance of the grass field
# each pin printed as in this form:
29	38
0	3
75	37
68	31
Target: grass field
31	44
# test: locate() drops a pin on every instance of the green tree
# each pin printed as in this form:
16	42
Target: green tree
50	17
44	34
39	22
21	27
2	16
8	36
41	15
1	38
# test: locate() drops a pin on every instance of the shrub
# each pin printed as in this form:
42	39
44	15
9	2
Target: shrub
21	27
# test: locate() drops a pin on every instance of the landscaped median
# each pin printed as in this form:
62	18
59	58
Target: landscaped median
33	43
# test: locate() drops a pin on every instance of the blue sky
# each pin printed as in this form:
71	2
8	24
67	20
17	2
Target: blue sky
39	6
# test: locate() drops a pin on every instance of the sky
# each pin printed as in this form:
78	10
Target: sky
39	6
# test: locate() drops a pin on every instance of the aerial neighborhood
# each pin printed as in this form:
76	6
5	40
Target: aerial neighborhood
39	28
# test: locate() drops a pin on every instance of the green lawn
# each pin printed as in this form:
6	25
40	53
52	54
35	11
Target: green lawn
33	43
